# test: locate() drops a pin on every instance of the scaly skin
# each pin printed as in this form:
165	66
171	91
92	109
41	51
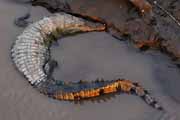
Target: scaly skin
31	55
114	86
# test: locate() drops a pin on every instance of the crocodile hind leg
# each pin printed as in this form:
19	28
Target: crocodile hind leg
23	20
49	67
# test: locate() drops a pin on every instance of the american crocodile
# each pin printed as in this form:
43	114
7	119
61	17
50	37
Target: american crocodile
31	55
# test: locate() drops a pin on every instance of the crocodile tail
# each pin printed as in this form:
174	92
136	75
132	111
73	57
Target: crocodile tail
82	90
130	87
145	95
85	90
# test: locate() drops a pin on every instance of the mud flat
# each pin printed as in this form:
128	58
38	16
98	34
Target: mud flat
86	56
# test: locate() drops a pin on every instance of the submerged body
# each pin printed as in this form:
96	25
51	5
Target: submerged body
31	55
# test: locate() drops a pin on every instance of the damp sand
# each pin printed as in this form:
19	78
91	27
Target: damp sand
86	56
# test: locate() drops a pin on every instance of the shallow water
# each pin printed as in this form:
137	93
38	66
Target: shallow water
86	56
92	55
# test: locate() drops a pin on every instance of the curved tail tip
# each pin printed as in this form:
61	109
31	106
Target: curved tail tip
158	107
152	102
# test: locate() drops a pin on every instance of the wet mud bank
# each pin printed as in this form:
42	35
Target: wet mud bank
151	29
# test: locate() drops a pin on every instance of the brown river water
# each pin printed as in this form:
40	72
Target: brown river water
86	56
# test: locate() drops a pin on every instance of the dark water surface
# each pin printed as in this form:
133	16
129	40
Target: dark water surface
86	56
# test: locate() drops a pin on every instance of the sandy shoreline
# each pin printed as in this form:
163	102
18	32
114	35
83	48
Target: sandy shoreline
85	56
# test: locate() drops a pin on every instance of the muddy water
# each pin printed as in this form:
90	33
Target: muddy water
85	56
